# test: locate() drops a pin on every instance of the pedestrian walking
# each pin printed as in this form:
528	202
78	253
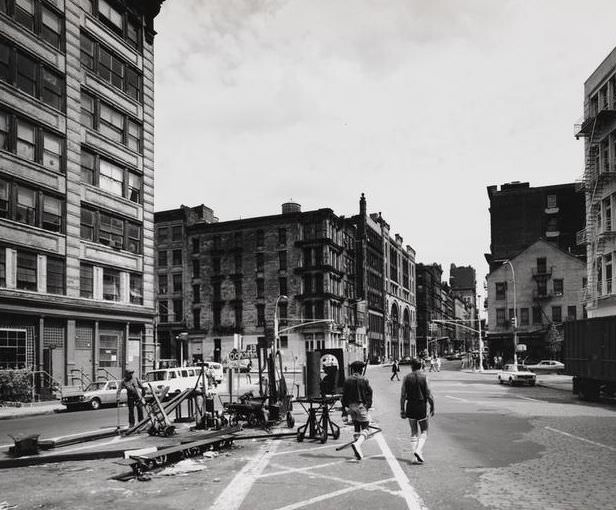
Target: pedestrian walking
395	368
438	363
357	398
414	398
248	369
134	391
432	365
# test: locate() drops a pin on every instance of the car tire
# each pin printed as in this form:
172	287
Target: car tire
532	383
500	381
510	381
95	403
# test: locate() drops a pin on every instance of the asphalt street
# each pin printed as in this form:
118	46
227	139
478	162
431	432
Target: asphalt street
489	446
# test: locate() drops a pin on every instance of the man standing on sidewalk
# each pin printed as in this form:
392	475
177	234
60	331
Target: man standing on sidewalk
134	389
414	398
357	397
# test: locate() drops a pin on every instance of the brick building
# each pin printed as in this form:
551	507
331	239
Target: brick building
429	306
547	285
76	185
236	272
520	215
598	183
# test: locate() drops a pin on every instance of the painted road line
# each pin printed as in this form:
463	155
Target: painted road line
233	495
600	445
305	449
413	501
330	495
284	470
528	398
459	399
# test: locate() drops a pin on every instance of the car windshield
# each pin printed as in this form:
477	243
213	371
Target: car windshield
96	386
156	376
519	368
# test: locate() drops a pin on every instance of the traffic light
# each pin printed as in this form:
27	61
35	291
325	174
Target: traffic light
514	322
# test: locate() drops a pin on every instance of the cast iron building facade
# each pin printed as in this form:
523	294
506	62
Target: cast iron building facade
598	183
236	272
520	215
76	185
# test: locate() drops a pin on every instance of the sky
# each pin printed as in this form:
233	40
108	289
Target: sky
419	104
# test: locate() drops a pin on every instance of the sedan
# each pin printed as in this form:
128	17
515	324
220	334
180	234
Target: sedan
516	374
94	396
547	365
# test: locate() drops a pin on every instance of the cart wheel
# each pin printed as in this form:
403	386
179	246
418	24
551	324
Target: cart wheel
169	430
324	437
252	420
336	434
290	421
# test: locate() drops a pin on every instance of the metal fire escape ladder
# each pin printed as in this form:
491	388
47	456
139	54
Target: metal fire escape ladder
591	178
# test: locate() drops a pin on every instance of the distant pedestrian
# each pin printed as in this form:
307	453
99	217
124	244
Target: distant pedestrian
134	389
357	397
395	368
432	365
248	369
414	397
438	363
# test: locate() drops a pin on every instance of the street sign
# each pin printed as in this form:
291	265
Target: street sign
521	348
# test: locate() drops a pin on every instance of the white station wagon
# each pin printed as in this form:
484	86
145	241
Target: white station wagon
516	374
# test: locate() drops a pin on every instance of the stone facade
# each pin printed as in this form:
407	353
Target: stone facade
76	187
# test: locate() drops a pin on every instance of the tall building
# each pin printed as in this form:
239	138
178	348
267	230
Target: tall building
172	278
76	186
239	276
520	215
542	287
429	307
598	182
463	283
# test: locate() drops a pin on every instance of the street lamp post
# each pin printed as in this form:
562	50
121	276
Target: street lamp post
276	332
515	312
480	337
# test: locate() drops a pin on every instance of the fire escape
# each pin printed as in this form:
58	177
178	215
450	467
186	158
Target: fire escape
599	172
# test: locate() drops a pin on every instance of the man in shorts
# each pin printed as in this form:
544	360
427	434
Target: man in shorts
414	398
357	398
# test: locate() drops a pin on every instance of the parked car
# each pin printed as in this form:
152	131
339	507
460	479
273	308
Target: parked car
405	361
516	374
95	395
453	357
546	365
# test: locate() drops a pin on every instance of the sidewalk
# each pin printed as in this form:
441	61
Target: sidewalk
35	409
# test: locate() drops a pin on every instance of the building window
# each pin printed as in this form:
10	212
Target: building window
162	235
31	142
110	67
282	260
2	266
111	177
260	287
30	76
283	313
27	271
260	262
552	201
136	289
542	265
500	317
86	281
260	238
178	311
163	311
260	316
176	233
111	285
163	286
177	282
108	351
104	228
282	282
557	314
537	315
501	290
571	313
112	123
55	275
119	21
607	259
282	236
196	269
196	293
196	318
558	287
177	257
162	258
196	245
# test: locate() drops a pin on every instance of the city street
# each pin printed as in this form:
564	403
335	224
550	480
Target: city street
490	446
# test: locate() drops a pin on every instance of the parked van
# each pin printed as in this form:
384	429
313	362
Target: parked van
216	370
178	379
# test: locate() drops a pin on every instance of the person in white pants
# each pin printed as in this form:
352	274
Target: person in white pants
414	398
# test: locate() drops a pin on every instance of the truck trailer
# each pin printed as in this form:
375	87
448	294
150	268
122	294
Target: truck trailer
590	356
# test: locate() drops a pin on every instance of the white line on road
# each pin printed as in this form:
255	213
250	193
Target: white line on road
334	494
413	501
528	398
233	495
287	470
305	449
601	445
458	398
